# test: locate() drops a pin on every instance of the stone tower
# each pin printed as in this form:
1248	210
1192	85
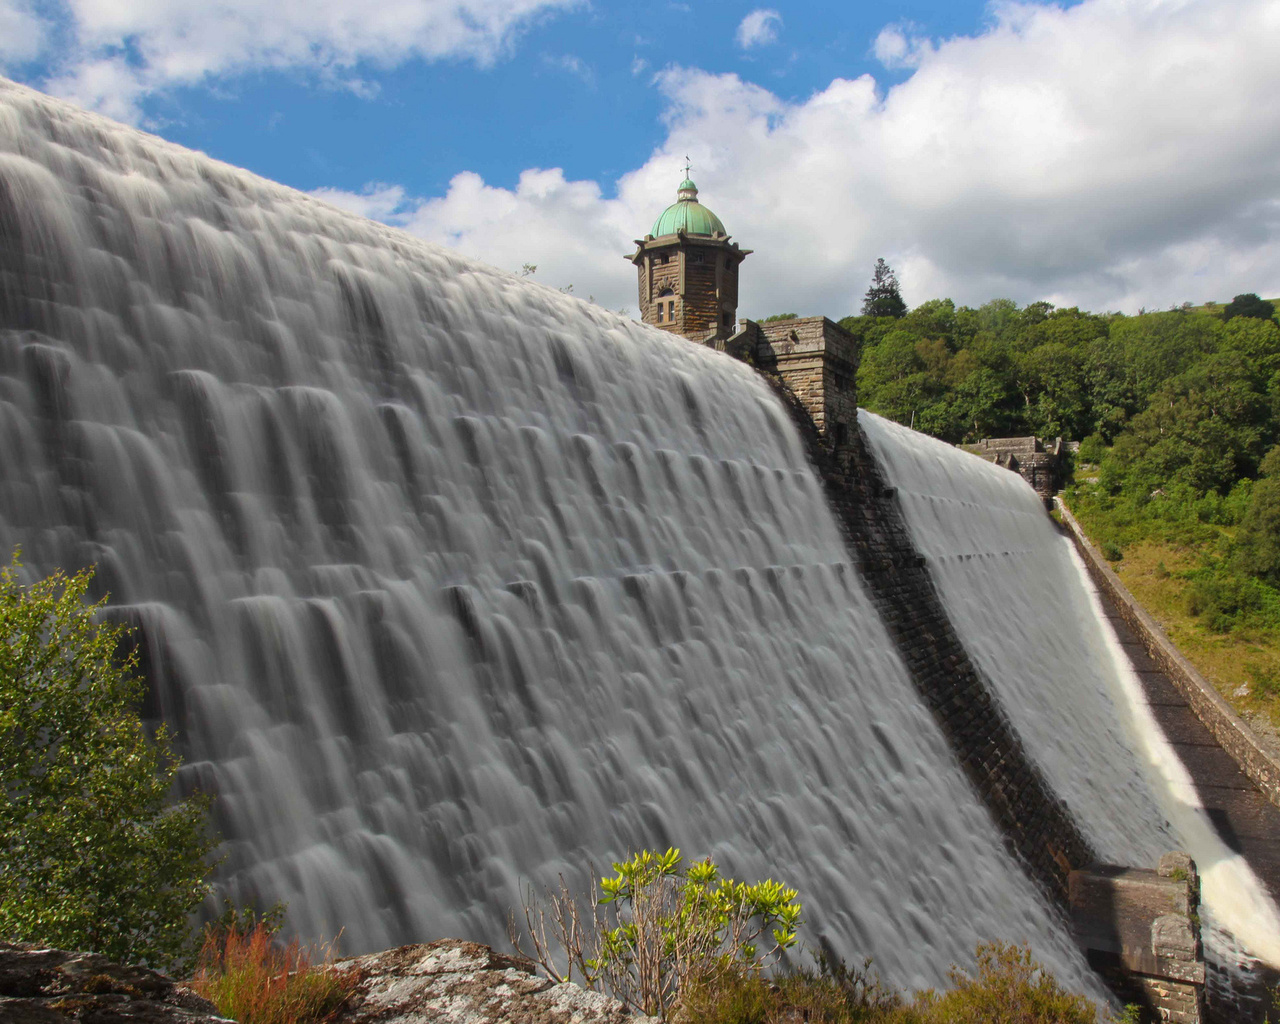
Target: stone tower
688	271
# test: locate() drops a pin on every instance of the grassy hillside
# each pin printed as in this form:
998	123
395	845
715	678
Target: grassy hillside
1224	621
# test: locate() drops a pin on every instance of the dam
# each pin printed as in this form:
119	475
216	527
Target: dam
448	584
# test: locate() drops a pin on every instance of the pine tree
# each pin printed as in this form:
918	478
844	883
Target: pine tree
883	297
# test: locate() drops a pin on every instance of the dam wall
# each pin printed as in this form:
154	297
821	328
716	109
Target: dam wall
448	583
1037	826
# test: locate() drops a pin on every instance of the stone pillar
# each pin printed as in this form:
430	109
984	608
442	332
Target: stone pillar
1140	929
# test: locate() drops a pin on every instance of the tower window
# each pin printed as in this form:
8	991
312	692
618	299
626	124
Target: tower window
695	257
728	319
671	310
659	312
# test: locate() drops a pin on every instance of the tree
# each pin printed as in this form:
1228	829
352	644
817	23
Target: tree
1249	305
92	855
1205	429
883	297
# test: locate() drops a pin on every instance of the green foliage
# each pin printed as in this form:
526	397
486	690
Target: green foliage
1092	449
1206	428
673	925
658	928
252	980
92	856
780	316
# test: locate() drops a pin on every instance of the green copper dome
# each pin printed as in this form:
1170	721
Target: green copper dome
688	215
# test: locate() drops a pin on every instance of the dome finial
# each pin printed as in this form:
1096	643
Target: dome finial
688	191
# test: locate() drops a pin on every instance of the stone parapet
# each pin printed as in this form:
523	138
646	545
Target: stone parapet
1229	729
818	360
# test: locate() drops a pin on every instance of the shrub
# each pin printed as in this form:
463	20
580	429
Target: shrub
1010	988
833	994
663	928
1092	449
252	980
92	855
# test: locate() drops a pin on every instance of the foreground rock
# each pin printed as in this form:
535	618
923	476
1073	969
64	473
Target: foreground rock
467	983
49	986
445	982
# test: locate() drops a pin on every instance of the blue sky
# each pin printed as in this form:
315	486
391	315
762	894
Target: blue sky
1107	153
575	91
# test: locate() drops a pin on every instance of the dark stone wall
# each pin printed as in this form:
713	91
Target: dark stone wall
1037	826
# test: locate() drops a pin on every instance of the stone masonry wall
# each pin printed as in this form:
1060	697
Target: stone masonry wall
1037	826
701	306
818	360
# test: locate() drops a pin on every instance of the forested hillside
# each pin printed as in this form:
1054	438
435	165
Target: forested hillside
1178	474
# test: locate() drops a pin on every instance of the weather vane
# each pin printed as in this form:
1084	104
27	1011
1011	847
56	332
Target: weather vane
687	166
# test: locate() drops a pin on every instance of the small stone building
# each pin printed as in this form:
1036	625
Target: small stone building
1041	467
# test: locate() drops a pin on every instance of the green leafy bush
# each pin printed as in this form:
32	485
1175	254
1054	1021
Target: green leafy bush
656	928
92	854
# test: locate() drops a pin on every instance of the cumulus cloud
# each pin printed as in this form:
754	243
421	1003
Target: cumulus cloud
22	32
898	46
566	228
1109	154
111	54
759	28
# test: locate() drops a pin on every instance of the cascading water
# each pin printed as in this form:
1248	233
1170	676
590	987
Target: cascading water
448	581
1019	598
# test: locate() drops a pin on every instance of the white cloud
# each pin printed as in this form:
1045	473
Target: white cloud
565	228
897	46
1111	154
22	32
180	42
573	65
759	28
377	201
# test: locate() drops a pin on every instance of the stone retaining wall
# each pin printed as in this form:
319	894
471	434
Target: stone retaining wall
1140	930
1232	733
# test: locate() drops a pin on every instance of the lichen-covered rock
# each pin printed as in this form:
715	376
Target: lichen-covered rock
467	983
51	986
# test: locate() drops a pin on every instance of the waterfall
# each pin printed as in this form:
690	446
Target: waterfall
1022	603
449	583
